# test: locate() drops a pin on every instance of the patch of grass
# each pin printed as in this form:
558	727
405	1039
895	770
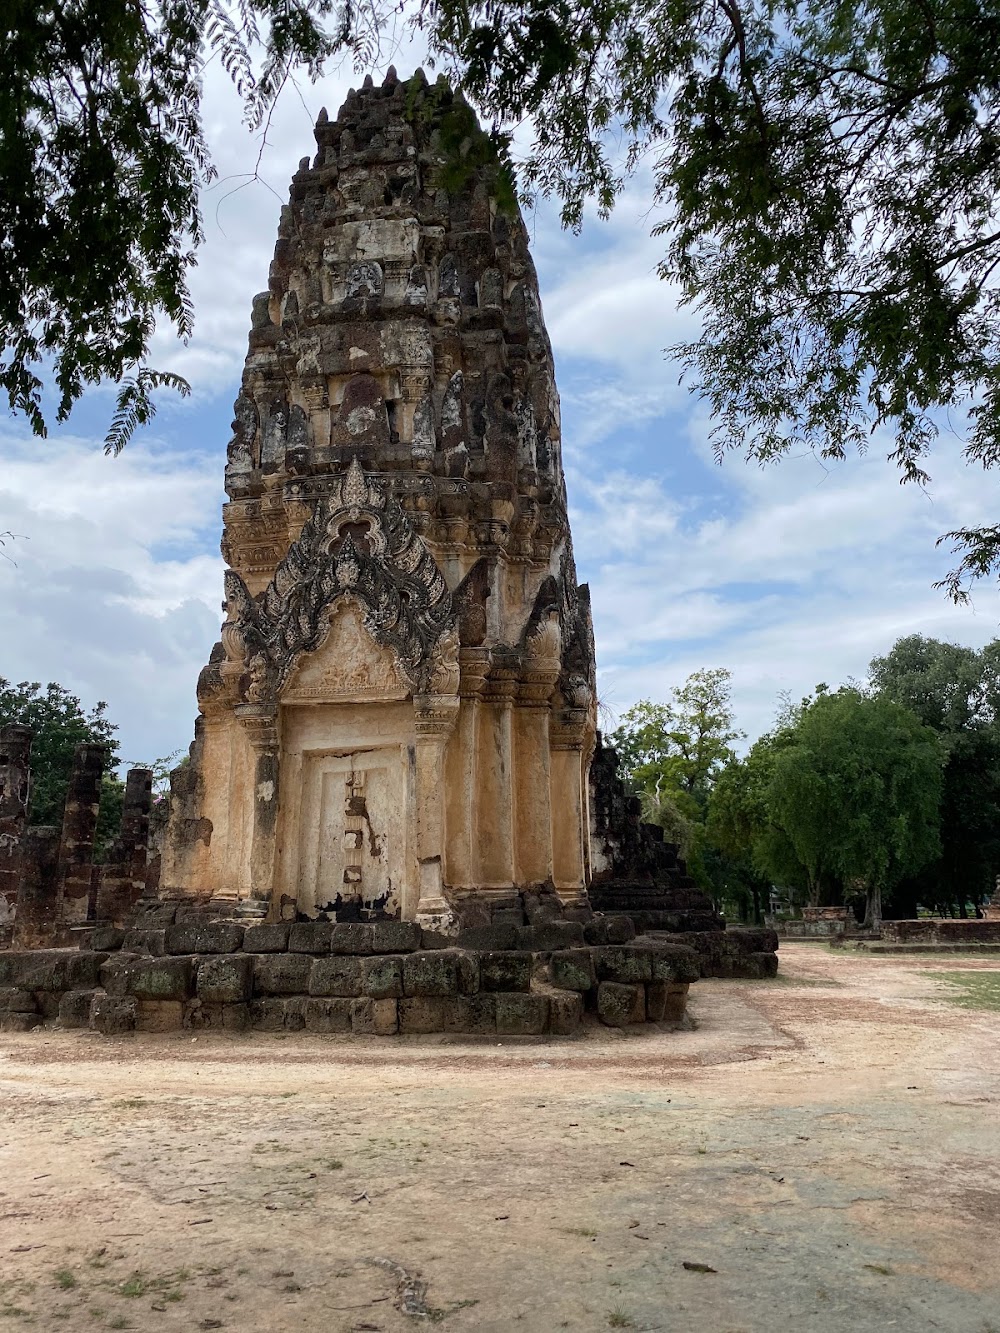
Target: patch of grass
882	1269
65	1279
587	1232
174	1295
136	1285
129	1103
620	1318
119	1321
783	979
14	1312
975	990
334	1164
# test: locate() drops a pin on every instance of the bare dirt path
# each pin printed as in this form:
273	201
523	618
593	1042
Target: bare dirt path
829	1143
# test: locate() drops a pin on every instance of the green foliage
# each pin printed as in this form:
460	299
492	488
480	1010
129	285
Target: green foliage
681	745
109	815
830	172
955	691
60	723
857	789
467	150
102	156
677	814
672	752
742	824
950	688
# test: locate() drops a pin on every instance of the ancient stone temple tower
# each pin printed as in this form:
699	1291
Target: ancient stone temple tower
401	709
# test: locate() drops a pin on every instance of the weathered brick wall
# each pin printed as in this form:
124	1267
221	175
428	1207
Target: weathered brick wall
941	930
15	799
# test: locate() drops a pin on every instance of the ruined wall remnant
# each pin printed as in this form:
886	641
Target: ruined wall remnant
15	803
123	877
49	883
77	883
400	710
57	879
636	872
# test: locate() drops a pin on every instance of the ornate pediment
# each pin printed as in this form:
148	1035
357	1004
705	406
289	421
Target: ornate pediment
348	666
357	543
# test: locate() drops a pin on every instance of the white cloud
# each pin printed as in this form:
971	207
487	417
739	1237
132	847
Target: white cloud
787	575
806	574
90	599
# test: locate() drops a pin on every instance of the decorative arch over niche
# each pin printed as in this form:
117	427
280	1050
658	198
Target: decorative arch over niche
357	543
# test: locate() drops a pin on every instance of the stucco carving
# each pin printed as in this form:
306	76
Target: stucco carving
358	542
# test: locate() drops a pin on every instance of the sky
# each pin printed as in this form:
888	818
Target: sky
789	575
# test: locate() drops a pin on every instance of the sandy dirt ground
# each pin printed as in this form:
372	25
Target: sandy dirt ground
826	1144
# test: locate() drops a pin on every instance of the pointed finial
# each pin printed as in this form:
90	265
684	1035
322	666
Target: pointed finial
368	84
355	491
420	77
391	77
322	118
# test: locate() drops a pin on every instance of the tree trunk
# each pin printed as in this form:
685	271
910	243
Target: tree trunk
873	908
814	888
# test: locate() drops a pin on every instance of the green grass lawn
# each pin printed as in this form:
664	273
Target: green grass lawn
974	990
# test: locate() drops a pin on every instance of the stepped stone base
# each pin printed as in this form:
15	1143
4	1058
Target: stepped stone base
640	877
171	971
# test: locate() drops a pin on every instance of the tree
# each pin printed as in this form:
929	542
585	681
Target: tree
742	825
955	691
664	809
671	753
858	789
681	745
829	170
59	723
730	830
102	155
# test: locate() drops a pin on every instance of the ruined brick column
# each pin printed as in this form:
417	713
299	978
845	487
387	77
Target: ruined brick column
15	800
123	878
79	828
36	921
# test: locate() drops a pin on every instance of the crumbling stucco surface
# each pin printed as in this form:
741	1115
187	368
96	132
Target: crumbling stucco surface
828	1143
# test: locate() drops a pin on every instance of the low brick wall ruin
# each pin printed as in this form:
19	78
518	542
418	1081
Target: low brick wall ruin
819	923
378	978
941	930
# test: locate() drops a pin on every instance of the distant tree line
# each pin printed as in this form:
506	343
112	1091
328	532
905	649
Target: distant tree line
884	796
